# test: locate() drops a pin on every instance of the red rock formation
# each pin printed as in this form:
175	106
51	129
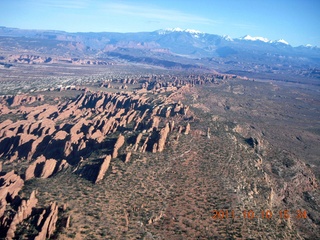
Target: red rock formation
82	145
155	111
24	211
34	146
177	107
155	123
30	172
138	121
100	102
144	145
67	223
123	122
14	156
108	126
48	168
65	114
60	135
131	116
4	109
41	217
5	123
155	147
103	168
12	184
168	112
49	110
128	156
63	165
19	99
98	136
119	143
163	137
138	139
187	130
25	138
49	225
68	148
120	112
185	110
75	130
171	124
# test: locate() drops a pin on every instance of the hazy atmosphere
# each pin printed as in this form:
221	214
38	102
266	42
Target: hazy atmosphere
296	21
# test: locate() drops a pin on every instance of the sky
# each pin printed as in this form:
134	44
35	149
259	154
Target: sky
296	21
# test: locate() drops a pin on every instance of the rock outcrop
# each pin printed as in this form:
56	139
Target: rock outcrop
187	130
21	99
24	211
36	165
119	143
138	139
48	224
11	185
103	168
163	137
41	167
83	122
128	156
61	134
48	168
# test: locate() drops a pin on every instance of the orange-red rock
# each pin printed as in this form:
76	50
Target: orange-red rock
138	139
63	165
128	156
24	211
103	168
30	172
187	130
60	135
11	185
49	225
48	168
163	137
119	143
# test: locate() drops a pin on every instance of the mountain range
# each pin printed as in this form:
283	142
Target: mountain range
171	48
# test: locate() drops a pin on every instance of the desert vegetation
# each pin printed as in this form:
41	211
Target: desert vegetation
152	155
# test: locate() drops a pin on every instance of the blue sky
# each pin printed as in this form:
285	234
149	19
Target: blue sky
296	21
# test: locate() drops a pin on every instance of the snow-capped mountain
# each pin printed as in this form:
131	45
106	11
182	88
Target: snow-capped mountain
199	34
249	38
170	30
283	41
228	38
263	39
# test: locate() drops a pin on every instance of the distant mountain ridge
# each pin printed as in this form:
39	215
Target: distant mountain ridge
4	31
196	33
168	47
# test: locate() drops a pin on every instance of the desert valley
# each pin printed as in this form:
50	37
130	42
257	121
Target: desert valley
133	136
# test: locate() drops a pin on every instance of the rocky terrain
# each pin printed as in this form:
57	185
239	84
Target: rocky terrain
154	156
132	136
